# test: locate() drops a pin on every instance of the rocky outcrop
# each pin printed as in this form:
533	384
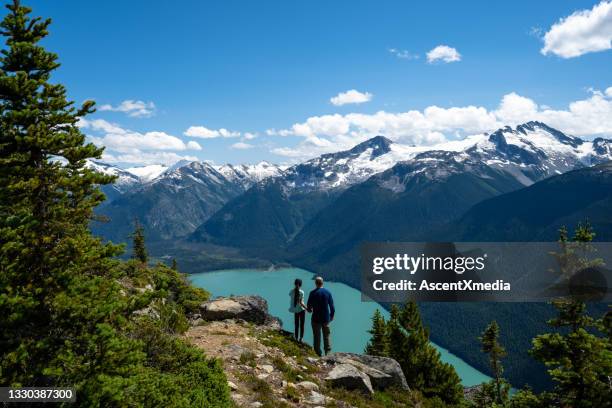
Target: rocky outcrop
470	393
255	355
253	309
383	372
349	377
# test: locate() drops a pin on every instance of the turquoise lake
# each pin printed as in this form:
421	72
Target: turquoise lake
352	321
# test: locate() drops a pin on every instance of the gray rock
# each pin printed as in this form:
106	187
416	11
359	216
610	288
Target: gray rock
349	377
470	393
196	322
274	323
308	385
384	372
314	398
148	311
252	309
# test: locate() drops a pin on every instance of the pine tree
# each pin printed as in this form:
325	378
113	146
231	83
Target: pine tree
578	357
65	320
138	242
492	347
422	362
407	342
174	265
47	195
378	344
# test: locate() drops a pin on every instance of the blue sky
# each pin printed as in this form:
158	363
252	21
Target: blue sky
253	66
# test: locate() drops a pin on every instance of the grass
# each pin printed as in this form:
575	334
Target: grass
219	333
261	391
292	394
291	374
287	344
248	358
391	398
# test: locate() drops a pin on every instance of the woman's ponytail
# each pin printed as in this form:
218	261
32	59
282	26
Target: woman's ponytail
296	291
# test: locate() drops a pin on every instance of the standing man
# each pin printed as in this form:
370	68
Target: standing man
321	305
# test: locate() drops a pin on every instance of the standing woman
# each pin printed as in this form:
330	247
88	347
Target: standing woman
298	308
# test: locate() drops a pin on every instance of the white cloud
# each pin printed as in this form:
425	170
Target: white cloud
191	145
205	133
515	109
241	146
403	54
276	132
127	146
535	32
443	53
321	134
582	32
146	158
351	96
135	109
249	136
297	153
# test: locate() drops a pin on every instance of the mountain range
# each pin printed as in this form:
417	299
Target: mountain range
383	190
171	202
515	184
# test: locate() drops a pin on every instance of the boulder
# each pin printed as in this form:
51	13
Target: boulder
314	398
349	377
383	372
307	385
253	309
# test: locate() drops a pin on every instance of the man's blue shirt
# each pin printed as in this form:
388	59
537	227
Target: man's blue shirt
321	303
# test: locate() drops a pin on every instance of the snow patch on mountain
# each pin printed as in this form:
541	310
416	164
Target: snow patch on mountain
147	173
249	174
125	180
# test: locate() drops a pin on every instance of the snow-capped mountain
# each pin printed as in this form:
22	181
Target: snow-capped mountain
243	175
184	175
232	202
148	173
417	199
535	151
125	181
173	201
345	168
125	178
530	151
171	205
355	182
249	174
